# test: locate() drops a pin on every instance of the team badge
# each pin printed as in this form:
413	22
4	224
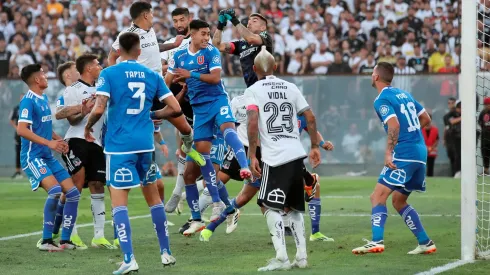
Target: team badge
383	110
200	60
216	60
43	170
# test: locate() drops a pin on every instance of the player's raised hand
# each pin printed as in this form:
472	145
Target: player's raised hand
181	74
222	20
229	13
88	135
328	146
389	161
87	105
255	167
178	40
58	145
164	150
315	157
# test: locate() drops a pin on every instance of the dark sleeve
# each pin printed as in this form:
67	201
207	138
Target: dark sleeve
446	119
15	114
237	45
480	118
267	41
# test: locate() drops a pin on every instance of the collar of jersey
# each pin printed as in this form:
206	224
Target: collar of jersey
386	88
140	27
85	83
129	61
36	95
191	53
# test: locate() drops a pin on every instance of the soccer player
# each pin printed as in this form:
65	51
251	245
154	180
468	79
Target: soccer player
405	158
129	89
85	160
254	36
200	66
272	105
67	74
43	170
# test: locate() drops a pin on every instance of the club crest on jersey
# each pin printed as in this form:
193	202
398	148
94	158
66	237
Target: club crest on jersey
100	82
383	110
43	170
216	59
200	60
25	113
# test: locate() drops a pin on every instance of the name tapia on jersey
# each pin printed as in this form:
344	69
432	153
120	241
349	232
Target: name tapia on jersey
278	102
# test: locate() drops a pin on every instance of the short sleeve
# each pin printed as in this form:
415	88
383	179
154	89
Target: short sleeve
60	102
384	109
172	64
250	99
26	108
162	89
215	59
419	108
300	101
103	85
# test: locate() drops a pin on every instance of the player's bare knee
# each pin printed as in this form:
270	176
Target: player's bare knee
399	201
317	194
96	187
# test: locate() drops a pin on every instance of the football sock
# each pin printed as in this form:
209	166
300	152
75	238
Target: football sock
70	213
192	197
209	175
204	200
223	193
121	222
231	139
298	228
160	224
412	220
98	212
179	185
379	214
222	217
315	209
50	211
59	217
235	204
200	185
276	229
285	219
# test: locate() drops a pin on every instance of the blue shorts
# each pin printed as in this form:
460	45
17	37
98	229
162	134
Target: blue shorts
209	114
409	177
130	170
217	153
38	169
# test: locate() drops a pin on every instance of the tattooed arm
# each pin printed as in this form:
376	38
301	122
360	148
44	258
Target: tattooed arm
311	127
249	36
391	141
97	111
222	47
65	112
252	131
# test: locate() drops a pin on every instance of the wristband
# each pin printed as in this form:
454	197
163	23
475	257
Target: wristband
221	26
152	115
235	21
162	142
195	75
321	143
248	160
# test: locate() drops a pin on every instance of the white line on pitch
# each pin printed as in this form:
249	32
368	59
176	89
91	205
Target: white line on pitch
7	238
446	267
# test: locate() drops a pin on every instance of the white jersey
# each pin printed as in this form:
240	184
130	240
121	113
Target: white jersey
279	102
167	55
74	95
239	111
149	47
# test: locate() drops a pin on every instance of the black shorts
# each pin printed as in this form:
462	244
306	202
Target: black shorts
185	106
282	186
230	164
85	154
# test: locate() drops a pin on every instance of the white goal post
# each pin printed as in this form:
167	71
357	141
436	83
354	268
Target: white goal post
467	94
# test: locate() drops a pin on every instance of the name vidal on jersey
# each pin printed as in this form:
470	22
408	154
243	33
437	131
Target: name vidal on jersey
135	74
276	95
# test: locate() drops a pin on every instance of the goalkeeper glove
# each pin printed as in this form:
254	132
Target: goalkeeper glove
222	20
230	15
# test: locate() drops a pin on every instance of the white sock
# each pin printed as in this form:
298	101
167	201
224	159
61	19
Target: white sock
179	185
285	220
298	228
205	200
200	185
98	212
276	229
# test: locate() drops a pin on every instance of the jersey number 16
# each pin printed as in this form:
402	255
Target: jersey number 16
411	115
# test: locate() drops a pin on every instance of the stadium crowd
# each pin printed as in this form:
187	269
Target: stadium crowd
310	36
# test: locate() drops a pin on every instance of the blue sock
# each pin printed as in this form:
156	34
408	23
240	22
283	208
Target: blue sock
209	176
222	217
121	221
192	197
50	211
235	204
412	220
223	194
59	217
70	213
231	139
315	209
379	214
160	224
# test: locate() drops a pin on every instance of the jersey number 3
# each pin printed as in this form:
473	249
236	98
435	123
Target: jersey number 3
286	120
140	93
411	116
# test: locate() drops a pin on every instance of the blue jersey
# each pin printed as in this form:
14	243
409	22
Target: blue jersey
302	124
34	109
203	62
393	102
60	102
131	88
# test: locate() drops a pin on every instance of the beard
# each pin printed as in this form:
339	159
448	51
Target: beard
184	31
373	84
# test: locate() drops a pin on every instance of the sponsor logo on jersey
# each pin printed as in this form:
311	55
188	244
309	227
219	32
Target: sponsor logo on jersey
192	62
200	60
46	118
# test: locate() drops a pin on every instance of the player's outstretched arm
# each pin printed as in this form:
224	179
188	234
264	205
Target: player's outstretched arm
59	145
226	47
327	145
65	112
168	46
249	36
113	55
95	115
214	77
424	119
